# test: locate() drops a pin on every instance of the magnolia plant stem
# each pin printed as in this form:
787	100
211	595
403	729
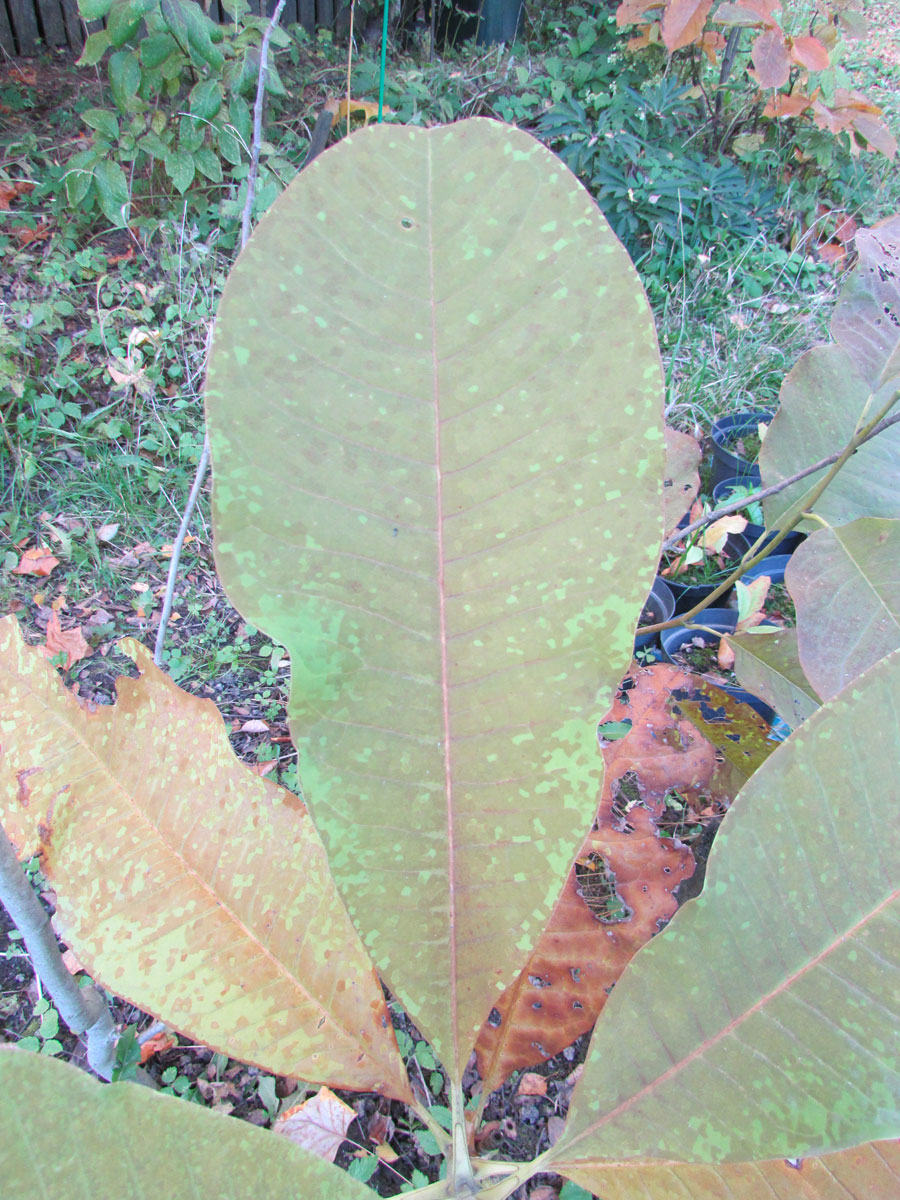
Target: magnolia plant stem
83	1009
757	551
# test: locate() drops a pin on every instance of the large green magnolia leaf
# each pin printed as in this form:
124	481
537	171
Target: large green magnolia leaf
823	399
67	1136
186	883
768	664
434	404
845	583
764	1022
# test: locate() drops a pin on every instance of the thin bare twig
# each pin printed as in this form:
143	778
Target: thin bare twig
758	551
763	494
257	121
203	464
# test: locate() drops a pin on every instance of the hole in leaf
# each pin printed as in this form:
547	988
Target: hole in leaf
596	885
495	1020
406	222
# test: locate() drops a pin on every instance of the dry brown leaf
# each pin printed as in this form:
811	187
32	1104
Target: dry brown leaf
64	641
36	561
156	1045
532	1084
254	727
319	1124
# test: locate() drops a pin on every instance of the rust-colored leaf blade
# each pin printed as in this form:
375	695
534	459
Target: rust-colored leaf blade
771	59
681	481
580	955
187	884
683	22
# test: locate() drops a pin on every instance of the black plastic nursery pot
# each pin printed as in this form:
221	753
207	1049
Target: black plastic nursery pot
773	565
725	463
721	620
660	606
721	494
688	594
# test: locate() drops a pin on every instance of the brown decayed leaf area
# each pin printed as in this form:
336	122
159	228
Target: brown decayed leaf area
580	956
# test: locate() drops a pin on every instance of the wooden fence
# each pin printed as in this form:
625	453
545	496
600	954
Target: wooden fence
29	26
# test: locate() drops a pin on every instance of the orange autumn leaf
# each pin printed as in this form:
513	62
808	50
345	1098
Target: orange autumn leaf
36	561
156	1045
532	1084
69	642
11	191
809	52
787	106
25	235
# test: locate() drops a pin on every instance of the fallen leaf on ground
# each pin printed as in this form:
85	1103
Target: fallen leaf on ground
319	1124
11	191
254	727
156	1045
532	1084
64	641
36	561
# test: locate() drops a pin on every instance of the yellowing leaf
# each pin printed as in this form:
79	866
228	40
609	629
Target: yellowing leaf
751	597
367	109
683	22
714	537
319	1124
185	883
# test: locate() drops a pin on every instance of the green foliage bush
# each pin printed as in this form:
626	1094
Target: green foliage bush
180	85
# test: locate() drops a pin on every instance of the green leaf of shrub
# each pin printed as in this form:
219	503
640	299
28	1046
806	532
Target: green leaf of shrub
229	146
112	191
152	143
103	121
180	169
95	46
125	17
80	175
421	512
206	99
125	79
207	163
94	10
156	48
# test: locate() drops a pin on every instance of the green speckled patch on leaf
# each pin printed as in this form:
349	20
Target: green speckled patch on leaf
437	482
